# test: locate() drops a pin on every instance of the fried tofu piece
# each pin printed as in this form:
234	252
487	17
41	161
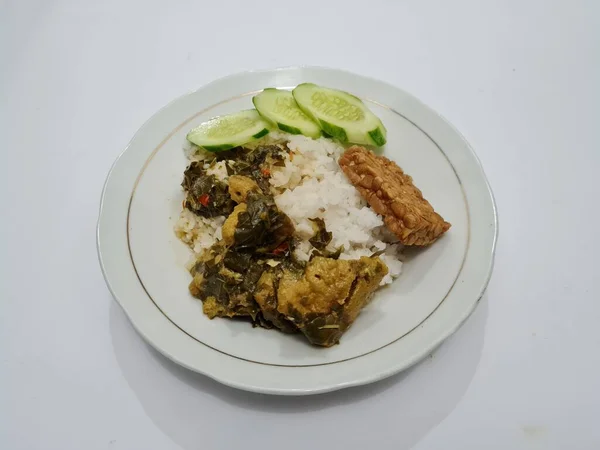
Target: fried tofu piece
265	296
240	186
240	306
325	299
231	222
391	193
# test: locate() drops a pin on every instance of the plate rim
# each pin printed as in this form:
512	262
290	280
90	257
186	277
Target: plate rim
394	367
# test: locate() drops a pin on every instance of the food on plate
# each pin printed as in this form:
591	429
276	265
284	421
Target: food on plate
309	110
225	132
297	233
240	186
205	194
231	223
391	193
279	107
224	291
340	115
328	295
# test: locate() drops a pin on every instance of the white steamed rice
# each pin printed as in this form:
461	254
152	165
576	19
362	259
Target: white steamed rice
310	185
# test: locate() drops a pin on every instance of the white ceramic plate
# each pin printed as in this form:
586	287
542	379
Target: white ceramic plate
143	262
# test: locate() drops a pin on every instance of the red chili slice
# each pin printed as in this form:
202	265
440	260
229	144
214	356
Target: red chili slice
204	199
281	249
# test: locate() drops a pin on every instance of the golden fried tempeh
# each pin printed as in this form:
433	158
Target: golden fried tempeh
391	193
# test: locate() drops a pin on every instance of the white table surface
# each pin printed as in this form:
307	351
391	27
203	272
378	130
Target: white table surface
519	78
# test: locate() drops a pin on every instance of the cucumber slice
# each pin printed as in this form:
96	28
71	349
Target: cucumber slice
225	132
340	115
278	106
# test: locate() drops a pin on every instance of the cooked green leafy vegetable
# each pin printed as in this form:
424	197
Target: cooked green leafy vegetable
236	261
253	162
224	278
206	196
327	254
262	227
322	237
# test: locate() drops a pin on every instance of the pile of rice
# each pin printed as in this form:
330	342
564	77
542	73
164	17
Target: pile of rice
310	185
